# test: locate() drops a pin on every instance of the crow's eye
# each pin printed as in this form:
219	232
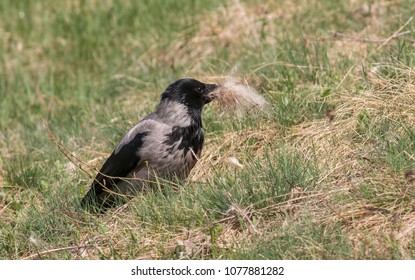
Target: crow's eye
199	89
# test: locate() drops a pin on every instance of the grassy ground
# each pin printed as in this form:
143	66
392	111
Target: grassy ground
329	169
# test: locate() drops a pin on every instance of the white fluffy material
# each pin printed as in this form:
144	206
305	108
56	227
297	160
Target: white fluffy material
238	97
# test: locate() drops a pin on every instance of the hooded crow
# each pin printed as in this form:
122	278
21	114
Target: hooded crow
165	144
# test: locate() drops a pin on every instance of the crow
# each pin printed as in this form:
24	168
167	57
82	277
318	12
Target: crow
164	145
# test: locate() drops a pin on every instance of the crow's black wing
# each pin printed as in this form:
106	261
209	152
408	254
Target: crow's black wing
123	159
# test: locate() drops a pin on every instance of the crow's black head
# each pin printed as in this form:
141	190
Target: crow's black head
189	92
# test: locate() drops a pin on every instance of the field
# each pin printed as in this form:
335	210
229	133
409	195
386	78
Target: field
327	171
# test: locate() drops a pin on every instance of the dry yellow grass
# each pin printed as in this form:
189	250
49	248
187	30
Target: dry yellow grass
392	100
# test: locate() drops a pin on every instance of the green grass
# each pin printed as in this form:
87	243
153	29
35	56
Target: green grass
328	169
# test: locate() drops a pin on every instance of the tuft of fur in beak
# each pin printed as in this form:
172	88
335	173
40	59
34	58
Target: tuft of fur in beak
236	97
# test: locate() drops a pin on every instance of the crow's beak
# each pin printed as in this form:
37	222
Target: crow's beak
209	92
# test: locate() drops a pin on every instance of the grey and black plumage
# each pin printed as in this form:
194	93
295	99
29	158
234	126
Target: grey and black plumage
164	144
